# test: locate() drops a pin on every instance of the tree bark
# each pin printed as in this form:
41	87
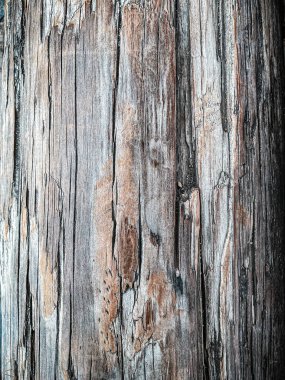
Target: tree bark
142	191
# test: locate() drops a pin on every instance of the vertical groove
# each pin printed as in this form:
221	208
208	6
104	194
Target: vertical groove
206	371
177	198
19	74
70	365
224	84
118	12
117	69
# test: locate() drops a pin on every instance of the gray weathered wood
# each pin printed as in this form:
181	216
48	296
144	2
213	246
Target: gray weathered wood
141	199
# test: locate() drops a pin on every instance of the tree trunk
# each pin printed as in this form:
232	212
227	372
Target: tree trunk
141	218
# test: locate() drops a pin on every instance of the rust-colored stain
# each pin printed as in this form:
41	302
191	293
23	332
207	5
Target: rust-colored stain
110	296
159	311
105	266
157	288
131	37
24	215
244	217
128	253
126	247
144	327
103	216
48	276
148	314
6	231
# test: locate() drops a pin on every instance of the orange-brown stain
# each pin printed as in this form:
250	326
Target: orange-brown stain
110	296
6	231
159	311
157	288
24	224
48	276
244	217
128	253
105	266
103	217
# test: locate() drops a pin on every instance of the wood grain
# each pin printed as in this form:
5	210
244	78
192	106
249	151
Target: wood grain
142	191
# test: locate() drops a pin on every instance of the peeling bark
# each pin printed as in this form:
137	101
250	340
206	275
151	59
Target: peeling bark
142	198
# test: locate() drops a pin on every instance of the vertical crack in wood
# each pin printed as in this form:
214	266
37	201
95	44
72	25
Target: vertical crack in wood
118	15
218	29
59	288
71	369
114	113
42	21
49	92
177	198
282	25
2	36
29	332
140	242
206	371
224	64
19	76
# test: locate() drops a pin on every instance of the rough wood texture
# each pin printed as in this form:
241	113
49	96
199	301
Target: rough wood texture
141	190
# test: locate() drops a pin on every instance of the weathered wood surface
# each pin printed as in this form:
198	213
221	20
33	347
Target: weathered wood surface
142	190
